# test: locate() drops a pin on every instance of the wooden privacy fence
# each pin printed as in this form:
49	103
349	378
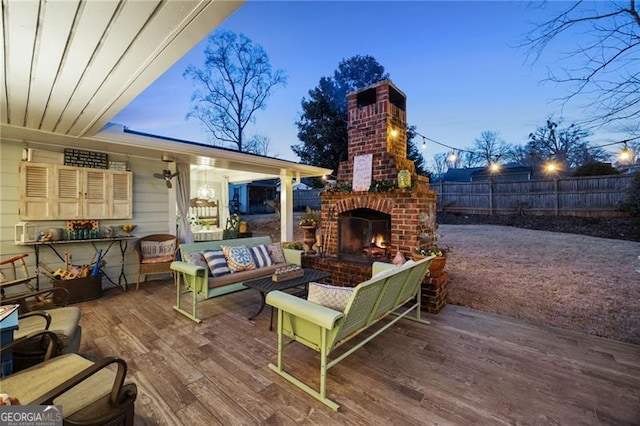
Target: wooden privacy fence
306	197
572	196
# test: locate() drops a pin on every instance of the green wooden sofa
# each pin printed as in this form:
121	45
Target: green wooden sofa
196	279
391	291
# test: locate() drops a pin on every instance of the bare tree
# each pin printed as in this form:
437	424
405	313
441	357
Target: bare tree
567	146
234	83
607	73
260	144
489	147
440	166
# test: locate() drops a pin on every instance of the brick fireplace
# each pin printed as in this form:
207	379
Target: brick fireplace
361	226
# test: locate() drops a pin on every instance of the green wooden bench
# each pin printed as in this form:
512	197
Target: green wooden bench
196	279
391	291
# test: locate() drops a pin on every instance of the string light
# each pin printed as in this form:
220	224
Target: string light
494	167
552	167
624	155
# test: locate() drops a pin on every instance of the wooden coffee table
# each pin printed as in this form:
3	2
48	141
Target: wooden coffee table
265	285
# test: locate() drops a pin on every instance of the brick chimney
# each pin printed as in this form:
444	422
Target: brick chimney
377	124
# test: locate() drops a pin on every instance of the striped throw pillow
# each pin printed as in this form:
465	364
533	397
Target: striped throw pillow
261	256
217	262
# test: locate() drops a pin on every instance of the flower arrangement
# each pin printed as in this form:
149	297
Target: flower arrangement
310	218
294	245
432	251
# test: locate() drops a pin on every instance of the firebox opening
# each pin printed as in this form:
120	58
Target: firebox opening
364	235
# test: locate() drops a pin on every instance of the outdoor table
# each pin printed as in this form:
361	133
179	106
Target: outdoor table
265	285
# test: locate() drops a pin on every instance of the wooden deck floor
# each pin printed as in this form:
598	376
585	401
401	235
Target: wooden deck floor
467	367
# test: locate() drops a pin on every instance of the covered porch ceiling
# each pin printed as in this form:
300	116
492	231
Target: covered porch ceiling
68	67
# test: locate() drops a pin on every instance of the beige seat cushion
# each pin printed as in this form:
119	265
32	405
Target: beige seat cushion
238	277
64	322
29	384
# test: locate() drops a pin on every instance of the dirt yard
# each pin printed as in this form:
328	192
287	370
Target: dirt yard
576	282
572	281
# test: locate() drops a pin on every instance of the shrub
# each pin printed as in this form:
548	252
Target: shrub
631	204
596	169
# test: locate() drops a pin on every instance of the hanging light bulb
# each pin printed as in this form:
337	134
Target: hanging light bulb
424	143
625	155
453	157
551	167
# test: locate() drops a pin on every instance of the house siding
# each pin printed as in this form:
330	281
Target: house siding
153	212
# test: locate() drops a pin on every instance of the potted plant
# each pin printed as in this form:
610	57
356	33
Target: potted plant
310	218
309	221
437	263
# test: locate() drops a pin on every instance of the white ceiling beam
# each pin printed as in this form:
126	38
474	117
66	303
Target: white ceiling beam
3	92
19	44
156	35
93	18
52	39
209	15
121	32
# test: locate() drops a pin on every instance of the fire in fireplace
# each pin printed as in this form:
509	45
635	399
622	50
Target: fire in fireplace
364	235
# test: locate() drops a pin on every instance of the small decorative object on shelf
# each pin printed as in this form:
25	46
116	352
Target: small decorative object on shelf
82	229
128	228
287	273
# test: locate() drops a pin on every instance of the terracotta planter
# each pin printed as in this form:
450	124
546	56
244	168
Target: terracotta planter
437	264
309	237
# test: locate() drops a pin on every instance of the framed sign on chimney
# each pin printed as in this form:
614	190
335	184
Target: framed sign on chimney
362	166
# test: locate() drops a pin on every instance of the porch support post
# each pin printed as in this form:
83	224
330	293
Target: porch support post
224	202
286	206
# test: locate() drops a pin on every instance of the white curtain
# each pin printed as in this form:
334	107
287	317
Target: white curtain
183	190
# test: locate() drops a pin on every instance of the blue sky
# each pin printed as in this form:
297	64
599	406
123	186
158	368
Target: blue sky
456	62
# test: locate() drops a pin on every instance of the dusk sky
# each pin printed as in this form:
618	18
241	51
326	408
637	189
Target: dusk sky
457	62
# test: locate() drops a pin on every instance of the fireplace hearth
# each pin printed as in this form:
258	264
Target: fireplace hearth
364	235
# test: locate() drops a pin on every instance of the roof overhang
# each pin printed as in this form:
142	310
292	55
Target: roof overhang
68	67
237	166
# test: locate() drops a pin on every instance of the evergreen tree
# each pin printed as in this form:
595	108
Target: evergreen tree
322	127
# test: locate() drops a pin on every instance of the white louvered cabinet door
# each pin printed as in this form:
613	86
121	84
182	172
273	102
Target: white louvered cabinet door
95	197
121	206
36	191
68	192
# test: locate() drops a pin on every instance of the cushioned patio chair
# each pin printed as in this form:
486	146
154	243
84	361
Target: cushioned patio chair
55	317
155	254
90	393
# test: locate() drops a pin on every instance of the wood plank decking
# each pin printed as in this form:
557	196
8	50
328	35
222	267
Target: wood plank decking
467	367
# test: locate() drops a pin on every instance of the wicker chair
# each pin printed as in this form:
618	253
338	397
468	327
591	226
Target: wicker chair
90	393
155	254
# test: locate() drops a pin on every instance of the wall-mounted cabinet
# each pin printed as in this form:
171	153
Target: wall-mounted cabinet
52	191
